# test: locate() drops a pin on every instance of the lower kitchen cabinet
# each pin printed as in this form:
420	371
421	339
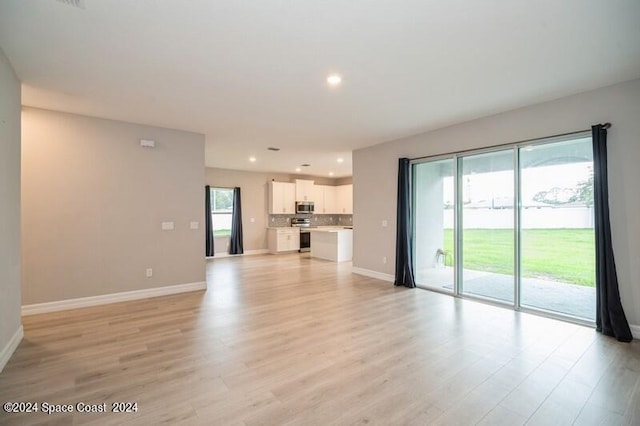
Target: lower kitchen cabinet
283	239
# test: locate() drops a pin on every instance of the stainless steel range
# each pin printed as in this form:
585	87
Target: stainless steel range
305	236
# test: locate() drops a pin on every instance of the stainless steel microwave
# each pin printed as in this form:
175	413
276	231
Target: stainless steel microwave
305	207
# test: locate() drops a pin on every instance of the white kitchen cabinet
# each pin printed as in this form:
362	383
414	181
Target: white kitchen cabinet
282	198
318	199
333	199
330	199
304	190
283	239
344	199
324	199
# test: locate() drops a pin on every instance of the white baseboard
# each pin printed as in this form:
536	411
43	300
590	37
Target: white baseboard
373	274
83	302
10	347
246	253
635	331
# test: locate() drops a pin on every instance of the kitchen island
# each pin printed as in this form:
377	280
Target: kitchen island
335	244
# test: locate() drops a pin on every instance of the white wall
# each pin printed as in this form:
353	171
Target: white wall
375	172
93	201
429	231
9	208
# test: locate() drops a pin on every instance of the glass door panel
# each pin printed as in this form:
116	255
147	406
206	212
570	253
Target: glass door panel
433	209
557	240
487	225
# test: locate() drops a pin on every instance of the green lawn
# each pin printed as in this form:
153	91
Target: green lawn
558	254
222	232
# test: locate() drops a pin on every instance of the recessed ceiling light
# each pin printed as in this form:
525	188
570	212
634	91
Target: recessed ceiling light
298	169
340	160
252	159
330	173
334	79
273	148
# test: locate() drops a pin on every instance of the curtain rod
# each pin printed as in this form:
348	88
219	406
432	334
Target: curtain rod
605	126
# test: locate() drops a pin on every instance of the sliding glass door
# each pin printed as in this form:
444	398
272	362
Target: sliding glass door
557	228
434	205
512	225
487	225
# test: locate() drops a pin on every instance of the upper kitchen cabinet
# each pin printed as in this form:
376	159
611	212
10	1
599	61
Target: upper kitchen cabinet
324	198
344	199
327	199
318	199
304	190
282	198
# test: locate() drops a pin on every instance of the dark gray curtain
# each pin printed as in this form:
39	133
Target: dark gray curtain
208	223
235	245
404	255
610	318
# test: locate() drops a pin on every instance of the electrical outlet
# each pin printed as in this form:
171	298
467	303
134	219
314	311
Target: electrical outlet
149	272
384	259
385	223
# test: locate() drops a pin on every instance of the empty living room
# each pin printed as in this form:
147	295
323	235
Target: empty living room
319	213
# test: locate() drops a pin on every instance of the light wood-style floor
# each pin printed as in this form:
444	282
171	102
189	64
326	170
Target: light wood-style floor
291	340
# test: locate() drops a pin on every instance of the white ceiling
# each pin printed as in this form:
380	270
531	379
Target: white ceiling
251	74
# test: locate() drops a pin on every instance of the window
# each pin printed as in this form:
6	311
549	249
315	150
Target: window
221	211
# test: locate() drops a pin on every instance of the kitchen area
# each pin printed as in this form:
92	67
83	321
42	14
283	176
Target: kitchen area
305	217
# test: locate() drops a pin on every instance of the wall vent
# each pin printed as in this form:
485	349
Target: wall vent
80	4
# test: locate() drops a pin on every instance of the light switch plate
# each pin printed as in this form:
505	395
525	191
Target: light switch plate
385	223
167	226
194	225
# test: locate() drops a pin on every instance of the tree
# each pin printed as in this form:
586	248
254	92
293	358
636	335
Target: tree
581	193
222	200
555	196
584	191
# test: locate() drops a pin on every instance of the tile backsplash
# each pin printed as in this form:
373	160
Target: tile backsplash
316	219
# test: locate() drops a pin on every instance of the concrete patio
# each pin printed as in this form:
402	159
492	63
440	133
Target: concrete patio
569	299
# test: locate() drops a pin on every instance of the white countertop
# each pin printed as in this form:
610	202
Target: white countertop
330	229
316	228
281	227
